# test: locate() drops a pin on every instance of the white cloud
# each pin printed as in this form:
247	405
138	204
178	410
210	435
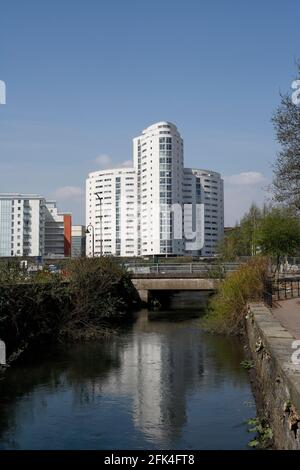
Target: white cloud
70	199
246	178
241	190
105	161
127	163
68	192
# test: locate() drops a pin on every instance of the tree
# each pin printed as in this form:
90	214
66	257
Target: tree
271	231
249	226
242	239
279	234
229	246
286	121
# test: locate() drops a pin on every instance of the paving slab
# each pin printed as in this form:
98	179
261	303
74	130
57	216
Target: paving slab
287	312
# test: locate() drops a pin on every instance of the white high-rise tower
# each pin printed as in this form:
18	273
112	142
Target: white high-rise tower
152	208
158	160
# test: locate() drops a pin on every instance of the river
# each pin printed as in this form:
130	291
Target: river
161	383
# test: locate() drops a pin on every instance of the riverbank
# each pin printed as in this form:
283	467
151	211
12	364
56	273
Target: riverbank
264	339
277	377
83	304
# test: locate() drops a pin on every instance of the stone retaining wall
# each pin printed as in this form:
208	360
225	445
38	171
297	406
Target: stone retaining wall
277	378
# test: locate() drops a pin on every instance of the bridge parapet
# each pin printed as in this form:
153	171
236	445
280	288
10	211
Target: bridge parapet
209	270
173	275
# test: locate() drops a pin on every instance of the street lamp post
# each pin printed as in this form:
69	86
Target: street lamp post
100	199
90	226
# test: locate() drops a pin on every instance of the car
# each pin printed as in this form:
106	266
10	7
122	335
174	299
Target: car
52	268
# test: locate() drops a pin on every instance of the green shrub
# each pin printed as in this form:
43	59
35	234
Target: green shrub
226	310
44	306
100	291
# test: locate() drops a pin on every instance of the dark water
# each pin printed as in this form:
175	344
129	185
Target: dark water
162	383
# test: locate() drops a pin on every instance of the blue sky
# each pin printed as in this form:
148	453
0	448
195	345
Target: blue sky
85	77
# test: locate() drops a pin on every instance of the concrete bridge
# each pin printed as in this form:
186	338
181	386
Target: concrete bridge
145	283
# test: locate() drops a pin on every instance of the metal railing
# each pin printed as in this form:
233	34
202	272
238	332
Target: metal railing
161	268
281	289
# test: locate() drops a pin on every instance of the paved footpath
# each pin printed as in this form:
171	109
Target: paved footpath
287	312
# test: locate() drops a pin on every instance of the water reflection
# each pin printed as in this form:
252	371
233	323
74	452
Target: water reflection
160	384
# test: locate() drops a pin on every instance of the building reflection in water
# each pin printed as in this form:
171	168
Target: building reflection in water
159	364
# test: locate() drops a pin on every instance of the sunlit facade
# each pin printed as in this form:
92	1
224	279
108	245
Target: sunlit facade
30	226
111	208
157	207
22	225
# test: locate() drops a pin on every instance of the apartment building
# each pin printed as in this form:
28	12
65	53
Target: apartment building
111	208
203	190
22	225
78	241
158	162
158	207
57	232
30	226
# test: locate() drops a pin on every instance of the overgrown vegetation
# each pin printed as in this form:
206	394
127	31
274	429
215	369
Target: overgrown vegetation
264	434
100	291
35	309
226	310
247	364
